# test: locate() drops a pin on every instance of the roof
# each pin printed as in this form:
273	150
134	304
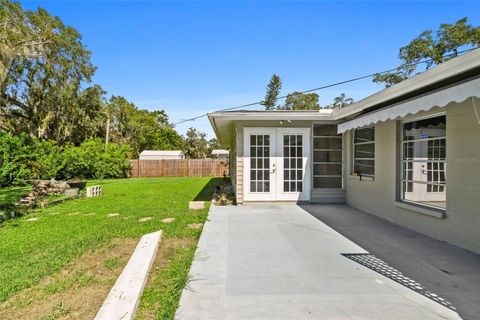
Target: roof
161	153
220	151
223	122
451	71
447	74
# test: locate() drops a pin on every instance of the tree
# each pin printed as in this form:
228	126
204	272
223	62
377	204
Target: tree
340	102
195	144
46	75
273	90
301	101
141	129
212	145
438	47
18	38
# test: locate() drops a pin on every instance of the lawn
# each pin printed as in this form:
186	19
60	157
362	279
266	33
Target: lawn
66	259
9	196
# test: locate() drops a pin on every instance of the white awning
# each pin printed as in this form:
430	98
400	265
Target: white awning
440	98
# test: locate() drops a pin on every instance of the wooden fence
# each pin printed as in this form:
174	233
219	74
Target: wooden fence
178	168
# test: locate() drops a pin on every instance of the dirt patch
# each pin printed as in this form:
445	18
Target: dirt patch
168	220
77	291
145	219
195	225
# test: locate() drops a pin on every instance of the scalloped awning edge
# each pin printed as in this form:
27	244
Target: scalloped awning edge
441	98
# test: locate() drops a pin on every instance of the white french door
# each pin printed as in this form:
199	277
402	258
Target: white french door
276	166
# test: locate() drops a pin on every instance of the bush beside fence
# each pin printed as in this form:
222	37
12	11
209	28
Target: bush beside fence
178	168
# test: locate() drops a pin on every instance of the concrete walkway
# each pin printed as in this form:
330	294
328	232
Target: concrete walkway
279	262
452	272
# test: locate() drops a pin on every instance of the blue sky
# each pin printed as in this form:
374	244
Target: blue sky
194	57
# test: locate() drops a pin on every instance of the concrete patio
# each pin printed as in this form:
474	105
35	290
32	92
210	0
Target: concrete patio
279	262
450	271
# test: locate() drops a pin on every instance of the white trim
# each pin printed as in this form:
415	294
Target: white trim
259	196
402	179
276	165
306	189
439	98
429	211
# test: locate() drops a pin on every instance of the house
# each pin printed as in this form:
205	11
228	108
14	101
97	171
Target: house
161	155
220	154
387	154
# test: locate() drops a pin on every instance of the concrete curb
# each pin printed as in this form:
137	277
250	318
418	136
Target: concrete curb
122	301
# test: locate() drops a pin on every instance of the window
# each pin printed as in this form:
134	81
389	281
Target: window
259	163
292	163
424	162
364	152
327	157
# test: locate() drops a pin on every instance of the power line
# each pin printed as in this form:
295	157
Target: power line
324	87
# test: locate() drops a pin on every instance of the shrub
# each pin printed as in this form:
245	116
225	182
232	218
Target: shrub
48	160
15	154
23	158
92	160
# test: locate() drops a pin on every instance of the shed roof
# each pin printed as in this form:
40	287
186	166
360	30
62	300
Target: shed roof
220	151
161	153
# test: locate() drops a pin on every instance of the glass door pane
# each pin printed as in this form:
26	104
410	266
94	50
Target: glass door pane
292	163
259	163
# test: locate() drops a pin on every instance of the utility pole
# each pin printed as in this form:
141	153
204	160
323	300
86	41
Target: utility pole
107	133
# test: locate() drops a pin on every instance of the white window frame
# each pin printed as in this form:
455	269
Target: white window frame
402	162
352	171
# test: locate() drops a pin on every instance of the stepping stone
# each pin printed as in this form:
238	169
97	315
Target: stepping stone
144	219
196	205
110	215
195	225
32	219
168	220
90	214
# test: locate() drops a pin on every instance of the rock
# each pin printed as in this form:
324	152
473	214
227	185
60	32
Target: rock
41	188
168	220
196	205
144	219
72	192
77	184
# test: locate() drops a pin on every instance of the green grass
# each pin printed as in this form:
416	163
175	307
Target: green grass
33	250
8	196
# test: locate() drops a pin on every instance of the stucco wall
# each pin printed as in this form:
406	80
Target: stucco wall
461	226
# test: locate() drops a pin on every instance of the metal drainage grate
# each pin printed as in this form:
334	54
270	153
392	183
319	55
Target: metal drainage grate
370	261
